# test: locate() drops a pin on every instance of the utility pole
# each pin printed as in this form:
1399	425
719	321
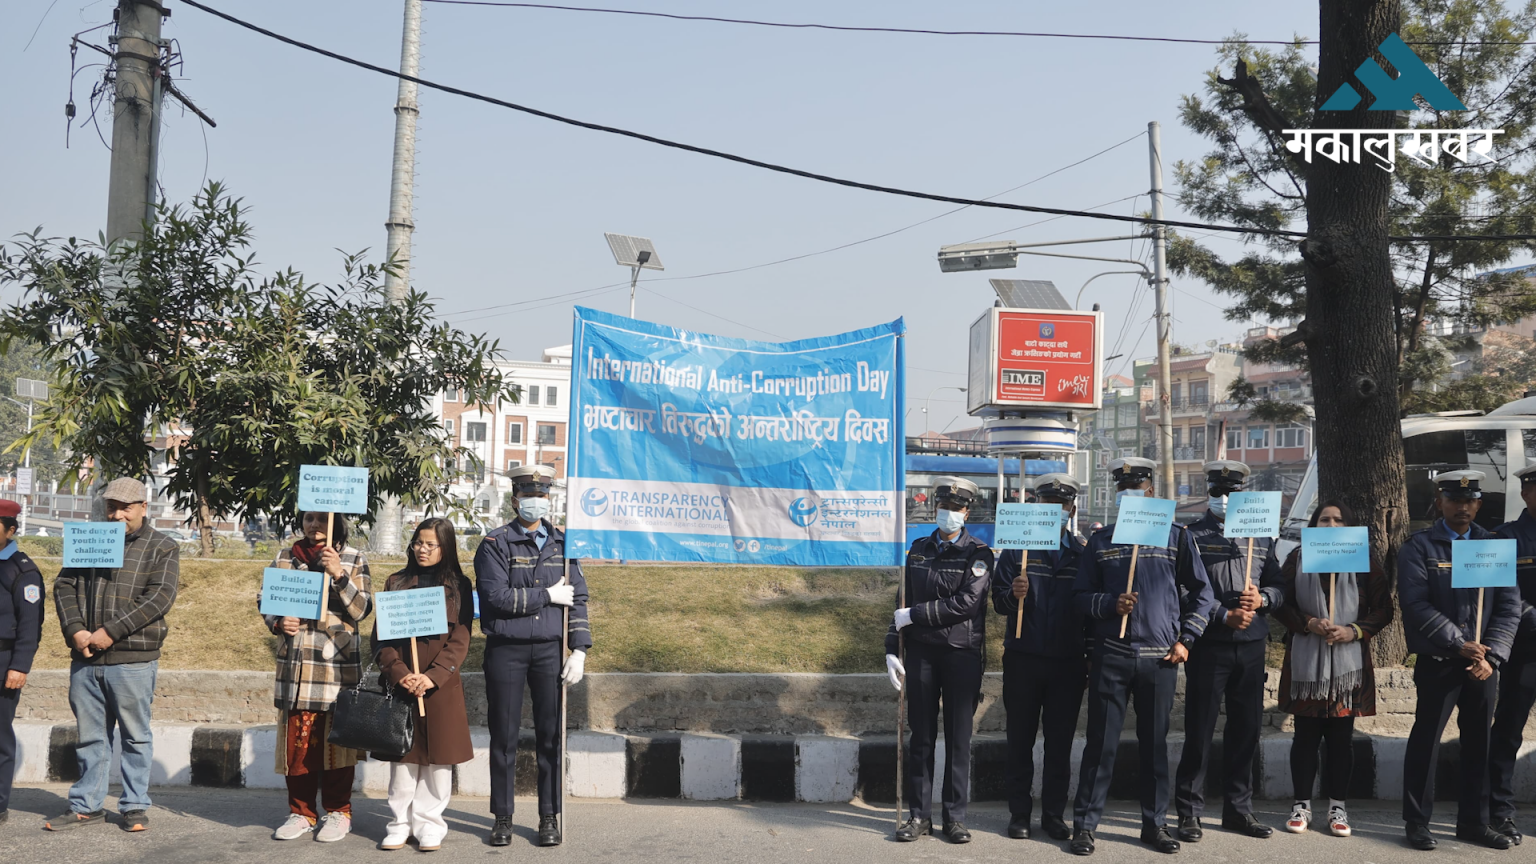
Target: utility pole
135	118
1164	322
402	180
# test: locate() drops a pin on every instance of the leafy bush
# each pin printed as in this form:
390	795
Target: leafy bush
42	547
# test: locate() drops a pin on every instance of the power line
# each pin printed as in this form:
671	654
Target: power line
799	172
912	30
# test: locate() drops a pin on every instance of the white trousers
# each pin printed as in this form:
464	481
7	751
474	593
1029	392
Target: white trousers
418	795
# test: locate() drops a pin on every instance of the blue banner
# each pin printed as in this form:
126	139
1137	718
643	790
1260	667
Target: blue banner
691	447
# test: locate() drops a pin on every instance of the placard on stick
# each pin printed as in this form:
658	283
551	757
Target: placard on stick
1253	514
1144	521
1028	526
94	544
292	593
411	613
333	489
1336	550
1483	564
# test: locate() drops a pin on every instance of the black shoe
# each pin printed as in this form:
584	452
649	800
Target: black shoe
1507	828
1082	842
134	821
957	832
1190	830
1247	823
549	830
1420	838
6	814
1018	827
501	831
1483	835
1158	838
914	828
1055	827
72	819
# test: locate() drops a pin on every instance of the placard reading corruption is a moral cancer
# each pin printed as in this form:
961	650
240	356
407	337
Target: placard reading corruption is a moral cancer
333	489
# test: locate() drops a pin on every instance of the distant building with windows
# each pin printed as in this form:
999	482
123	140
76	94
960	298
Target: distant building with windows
1114	431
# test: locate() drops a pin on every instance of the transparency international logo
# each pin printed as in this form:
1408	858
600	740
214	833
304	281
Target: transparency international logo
802	512
594	502
1424	146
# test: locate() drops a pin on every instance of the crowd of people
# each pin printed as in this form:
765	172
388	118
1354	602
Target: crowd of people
1074	624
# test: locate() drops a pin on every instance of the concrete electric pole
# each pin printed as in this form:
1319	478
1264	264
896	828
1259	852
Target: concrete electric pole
402	180
135	118
1164	322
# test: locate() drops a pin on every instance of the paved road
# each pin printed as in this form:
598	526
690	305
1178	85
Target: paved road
207	825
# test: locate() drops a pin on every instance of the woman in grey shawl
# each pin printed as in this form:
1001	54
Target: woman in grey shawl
1327	678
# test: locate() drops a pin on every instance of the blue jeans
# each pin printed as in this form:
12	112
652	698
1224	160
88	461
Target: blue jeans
104	697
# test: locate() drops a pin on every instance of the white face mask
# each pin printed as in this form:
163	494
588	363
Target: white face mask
532	509
950	521
1217	506
1128	493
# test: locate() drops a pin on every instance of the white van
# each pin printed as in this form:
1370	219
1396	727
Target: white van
1498	444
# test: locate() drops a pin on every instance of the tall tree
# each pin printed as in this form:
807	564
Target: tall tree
250	377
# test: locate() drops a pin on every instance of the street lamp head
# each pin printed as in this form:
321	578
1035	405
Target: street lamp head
627	252
966	257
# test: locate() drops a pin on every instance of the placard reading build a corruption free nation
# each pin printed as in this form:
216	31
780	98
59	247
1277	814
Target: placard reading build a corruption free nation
93	544
411	613
333	489
292	593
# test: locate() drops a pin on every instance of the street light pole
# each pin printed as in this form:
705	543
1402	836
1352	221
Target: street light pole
1160	290
929	401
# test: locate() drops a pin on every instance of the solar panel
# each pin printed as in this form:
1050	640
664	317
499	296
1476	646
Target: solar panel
1029	294
31	388
627	249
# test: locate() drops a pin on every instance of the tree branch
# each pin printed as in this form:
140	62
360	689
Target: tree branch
1265	116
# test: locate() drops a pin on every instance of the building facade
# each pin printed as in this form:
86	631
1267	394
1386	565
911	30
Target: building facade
1114	431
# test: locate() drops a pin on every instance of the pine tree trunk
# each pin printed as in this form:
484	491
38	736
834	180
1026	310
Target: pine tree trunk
1350	338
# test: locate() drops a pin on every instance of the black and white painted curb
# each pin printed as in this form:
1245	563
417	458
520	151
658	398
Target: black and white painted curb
815	768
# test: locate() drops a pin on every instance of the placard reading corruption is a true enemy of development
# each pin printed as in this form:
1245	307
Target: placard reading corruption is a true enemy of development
690	447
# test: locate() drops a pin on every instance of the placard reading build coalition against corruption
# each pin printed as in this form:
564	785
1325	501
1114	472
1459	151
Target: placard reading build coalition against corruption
690	447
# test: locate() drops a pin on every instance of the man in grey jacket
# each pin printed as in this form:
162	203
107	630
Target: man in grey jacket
114	622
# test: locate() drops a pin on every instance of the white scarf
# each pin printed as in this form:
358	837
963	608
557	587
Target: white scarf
1320	670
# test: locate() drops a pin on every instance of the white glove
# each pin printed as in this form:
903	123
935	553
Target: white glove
894	668
903	618
562	595
575	666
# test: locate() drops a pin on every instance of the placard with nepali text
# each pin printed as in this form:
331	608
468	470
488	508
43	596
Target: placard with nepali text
411	613
1483	564
1144	521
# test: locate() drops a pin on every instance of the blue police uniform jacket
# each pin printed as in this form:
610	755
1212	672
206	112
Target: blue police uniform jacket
1437	618
1225	564
1523	532
1173	593
1053	628
21	607
512	575
946	591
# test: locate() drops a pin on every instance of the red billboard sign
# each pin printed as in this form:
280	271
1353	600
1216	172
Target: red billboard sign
1035	358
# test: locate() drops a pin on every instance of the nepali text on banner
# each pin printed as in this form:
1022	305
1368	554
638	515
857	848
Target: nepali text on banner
690	447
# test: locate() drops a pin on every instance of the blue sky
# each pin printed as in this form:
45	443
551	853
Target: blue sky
512	208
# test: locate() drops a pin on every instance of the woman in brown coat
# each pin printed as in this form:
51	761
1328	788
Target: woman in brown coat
1327	679
421	781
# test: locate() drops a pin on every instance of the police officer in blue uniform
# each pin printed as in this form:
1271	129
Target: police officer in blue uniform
1457	667
1517	678
1168	609
1043	669
1227	662
519	569
21	629
944	627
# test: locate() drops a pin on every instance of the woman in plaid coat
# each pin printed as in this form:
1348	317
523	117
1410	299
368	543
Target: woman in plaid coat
315	659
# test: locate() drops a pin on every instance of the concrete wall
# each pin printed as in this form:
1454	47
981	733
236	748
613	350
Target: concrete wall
747	704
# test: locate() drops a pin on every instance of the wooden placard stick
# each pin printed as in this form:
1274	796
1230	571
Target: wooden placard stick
1130	581
901	697
1018	624
1477	632
421	703
1248	567
565	657
1332	581
325	584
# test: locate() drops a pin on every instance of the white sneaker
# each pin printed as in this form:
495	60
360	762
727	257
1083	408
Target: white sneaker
1338	822
333	827
1300	820
392	842
296	826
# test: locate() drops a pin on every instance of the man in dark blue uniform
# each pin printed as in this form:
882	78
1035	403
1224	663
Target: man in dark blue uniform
1168	608
519	569
1517	678
1043	672
1456	666
21	629
1228	661
944	628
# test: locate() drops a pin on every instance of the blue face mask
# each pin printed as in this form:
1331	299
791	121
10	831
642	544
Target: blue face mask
532	509
1128	493
950	521
1217	506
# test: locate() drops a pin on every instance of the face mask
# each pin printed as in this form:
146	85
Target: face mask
1128	493
1217	506
950	521
532	509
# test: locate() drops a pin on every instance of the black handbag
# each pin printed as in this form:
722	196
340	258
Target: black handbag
373	720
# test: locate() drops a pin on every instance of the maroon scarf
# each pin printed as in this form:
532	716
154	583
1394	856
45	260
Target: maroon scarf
306	554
